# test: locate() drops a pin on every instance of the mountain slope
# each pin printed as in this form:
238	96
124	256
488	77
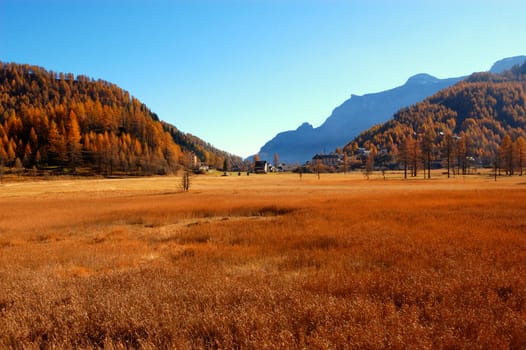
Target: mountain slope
203	150
358	114
61	123
506	64
479	112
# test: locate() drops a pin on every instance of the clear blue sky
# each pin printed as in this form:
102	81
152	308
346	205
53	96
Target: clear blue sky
236	72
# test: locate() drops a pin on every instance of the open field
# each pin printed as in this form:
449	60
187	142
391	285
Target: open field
264	261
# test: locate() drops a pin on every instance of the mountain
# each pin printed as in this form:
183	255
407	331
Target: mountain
478	113
357	114
60	123
506	64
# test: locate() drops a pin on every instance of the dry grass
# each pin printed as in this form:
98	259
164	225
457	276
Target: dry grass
264	262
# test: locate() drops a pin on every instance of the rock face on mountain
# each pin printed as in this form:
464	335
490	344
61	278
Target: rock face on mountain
357	114
353	116
507	63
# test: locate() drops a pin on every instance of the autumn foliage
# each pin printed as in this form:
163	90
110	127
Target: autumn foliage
64	123
466	122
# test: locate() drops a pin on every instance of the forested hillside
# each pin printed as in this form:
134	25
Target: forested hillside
203	150
473	120
66	124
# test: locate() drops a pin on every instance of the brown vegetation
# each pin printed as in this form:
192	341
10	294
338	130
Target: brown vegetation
457	127
59	123
264	262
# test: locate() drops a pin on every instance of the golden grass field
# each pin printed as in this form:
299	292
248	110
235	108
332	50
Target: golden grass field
264	262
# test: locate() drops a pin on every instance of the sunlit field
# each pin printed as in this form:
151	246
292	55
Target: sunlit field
263	262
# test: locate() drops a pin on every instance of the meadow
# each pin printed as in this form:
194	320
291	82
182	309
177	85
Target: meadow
264	262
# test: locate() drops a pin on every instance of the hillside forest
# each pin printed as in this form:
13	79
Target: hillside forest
62	124
479	122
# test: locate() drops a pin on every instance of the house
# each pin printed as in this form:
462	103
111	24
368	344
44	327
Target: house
261	167
329	160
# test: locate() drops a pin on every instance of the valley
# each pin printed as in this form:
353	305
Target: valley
268	261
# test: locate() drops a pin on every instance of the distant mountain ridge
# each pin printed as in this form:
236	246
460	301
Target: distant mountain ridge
359	113
507	63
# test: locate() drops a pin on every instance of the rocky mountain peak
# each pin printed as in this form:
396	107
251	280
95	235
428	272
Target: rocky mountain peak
422	79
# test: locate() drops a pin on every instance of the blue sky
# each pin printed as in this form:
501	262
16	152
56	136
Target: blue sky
236	72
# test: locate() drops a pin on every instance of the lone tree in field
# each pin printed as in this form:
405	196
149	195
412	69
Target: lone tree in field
225	166
185	184
318	167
